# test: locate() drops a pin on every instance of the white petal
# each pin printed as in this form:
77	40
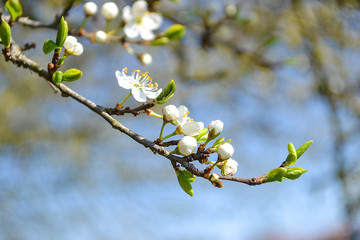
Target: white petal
70	43
140	6
123	80
152	94
151	21
182	114
78	49
126	14
147	34
131	30
191	128
138	94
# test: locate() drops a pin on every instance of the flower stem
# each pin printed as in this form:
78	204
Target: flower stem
125	99
83	23
170	135
156	115
107	26
162	129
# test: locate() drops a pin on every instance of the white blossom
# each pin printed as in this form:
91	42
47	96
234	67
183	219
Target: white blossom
229	167
90	9
109	11
140	84
100	36
139	21
187	125
187	145
225	151
215	128
170	113
72	46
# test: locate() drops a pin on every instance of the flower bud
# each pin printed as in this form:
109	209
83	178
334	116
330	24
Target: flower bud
100	36
215	128
231	10
214	177
109	11
229	168
225	151
90	9
145	58
187	145
170	113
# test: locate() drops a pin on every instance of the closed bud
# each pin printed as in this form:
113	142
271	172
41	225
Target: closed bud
229	168
225	151
215	128
170	113
109	11
214	177
187	145
90	9
145	58
100	36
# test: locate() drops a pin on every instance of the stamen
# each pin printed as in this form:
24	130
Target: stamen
137	70
151	85
125	69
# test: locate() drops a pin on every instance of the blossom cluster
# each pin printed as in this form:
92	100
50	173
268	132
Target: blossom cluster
141	87
138	20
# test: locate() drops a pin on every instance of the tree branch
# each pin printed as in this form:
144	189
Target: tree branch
18	58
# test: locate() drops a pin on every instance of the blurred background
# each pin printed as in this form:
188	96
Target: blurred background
274	71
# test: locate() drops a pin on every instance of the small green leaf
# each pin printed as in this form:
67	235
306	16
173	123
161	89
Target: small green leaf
290	160
184	182
72	74
159	41
167	93
189	175
218	142
202	132
203	139
276	174
291	148
62	32
175	32
294	173
5	33
57	77
49	46
303	148
14	8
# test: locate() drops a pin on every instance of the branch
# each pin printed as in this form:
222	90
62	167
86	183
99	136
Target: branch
18	58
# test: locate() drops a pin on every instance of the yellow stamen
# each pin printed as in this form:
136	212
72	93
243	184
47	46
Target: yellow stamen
125	69
151	85
137	70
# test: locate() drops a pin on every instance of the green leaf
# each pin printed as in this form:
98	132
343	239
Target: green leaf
5	33
72	74
49	46
291	148
203	138
290	160
14	8
175	32
62	32
218	142
57	77
202	133
303	148
167	93
184	182
159	41
276	174
294	173
189	175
